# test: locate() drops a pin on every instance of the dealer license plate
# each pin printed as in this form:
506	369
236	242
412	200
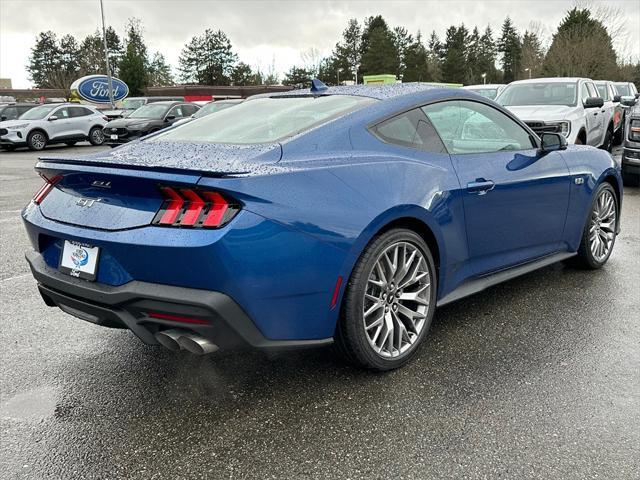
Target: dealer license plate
79	260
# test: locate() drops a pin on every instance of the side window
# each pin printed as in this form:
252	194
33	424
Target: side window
410	129
473	127
593	91
189	109
63	112
584	92
79	112
176	111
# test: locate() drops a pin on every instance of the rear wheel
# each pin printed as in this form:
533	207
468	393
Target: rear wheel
389	302
36	140
96	136
599	234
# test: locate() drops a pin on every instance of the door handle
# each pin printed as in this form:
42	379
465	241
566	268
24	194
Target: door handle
480	186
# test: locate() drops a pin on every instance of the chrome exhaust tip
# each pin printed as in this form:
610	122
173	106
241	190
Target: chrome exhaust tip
169	338
196	344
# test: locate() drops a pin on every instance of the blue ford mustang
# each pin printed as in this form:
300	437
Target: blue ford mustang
342	214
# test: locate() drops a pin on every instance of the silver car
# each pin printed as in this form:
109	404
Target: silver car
54	123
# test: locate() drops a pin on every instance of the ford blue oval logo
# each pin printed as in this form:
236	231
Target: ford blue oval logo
95	88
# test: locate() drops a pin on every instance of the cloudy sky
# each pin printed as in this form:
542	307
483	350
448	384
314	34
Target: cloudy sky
266	32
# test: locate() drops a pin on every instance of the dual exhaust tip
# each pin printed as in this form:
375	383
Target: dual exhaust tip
176	339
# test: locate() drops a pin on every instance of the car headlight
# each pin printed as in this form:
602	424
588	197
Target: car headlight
18	127
634	130
565	128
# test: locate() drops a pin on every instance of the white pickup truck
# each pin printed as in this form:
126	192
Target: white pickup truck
570	106
612	108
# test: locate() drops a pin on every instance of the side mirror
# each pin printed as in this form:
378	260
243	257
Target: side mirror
551	142
629	101
170	118
638	95
616	98
52	118
3	118
593	102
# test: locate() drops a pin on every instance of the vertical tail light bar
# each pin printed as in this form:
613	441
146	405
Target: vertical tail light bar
49	183
195	208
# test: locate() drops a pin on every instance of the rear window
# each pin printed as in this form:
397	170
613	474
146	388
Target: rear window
265	120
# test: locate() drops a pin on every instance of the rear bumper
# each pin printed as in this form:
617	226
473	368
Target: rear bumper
128	306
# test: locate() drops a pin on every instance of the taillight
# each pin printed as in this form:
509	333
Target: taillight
49	183
196	208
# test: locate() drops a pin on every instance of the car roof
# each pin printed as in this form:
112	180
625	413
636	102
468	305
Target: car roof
379	92
171	102
551	80
485	85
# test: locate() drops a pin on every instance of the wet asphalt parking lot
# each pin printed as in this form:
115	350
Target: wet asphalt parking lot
535	378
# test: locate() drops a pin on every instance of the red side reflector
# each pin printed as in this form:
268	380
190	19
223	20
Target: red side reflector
196	204
336	292
174	207
177	318
45	189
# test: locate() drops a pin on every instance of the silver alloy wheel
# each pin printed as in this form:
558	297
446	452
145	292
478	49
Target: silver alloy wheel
396	300
38	141
98	136
602	226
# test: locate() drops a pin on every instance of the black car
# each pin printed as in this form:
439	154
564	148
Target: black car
146	119
13	111
631	153
133	103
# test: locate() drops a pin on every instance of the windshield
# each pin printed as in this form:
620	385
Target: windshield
265	120
213	107
152	110
623	89
38	113
132	103
542	93
490	93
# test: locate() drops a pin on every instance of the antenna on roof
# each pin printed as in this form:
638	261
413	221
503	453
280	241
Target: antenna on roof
317	86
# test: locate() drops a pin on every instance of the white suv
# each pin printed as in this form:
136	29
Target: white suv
53	123
570	106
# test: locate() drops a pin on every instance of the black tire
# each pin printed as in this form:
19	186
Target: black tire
585	258
608	140
351	340
36	140
8	148
70	144
96	136
630	179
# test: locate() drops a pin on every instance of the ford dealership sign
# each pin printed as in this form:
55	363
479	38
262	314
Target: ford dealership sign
95	88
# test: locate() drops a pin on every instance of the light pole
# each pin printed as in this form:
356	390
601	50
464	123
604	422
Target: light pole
528	70
484	78
106	57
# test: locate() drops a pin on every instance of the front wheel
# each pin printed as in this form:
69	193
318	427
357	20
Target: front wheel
389	302
599	234
96	136
36	140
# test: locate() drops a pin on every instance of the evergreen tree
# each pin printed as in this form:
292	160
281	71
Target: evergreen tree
208	59
401	40
435	51
454	68
298	76
532	55
416	59
379	53
134	65
582	47
487	57
69	66
44	60
242	74
160	72
330	71
348	53
510	48
92	59
473	70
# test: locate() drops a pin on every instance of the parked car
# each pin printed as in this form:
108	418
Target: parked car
53	123
13	111
341	214
631	151
612	108
628	97
147	119
133	103
569	106
209	108
490	91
